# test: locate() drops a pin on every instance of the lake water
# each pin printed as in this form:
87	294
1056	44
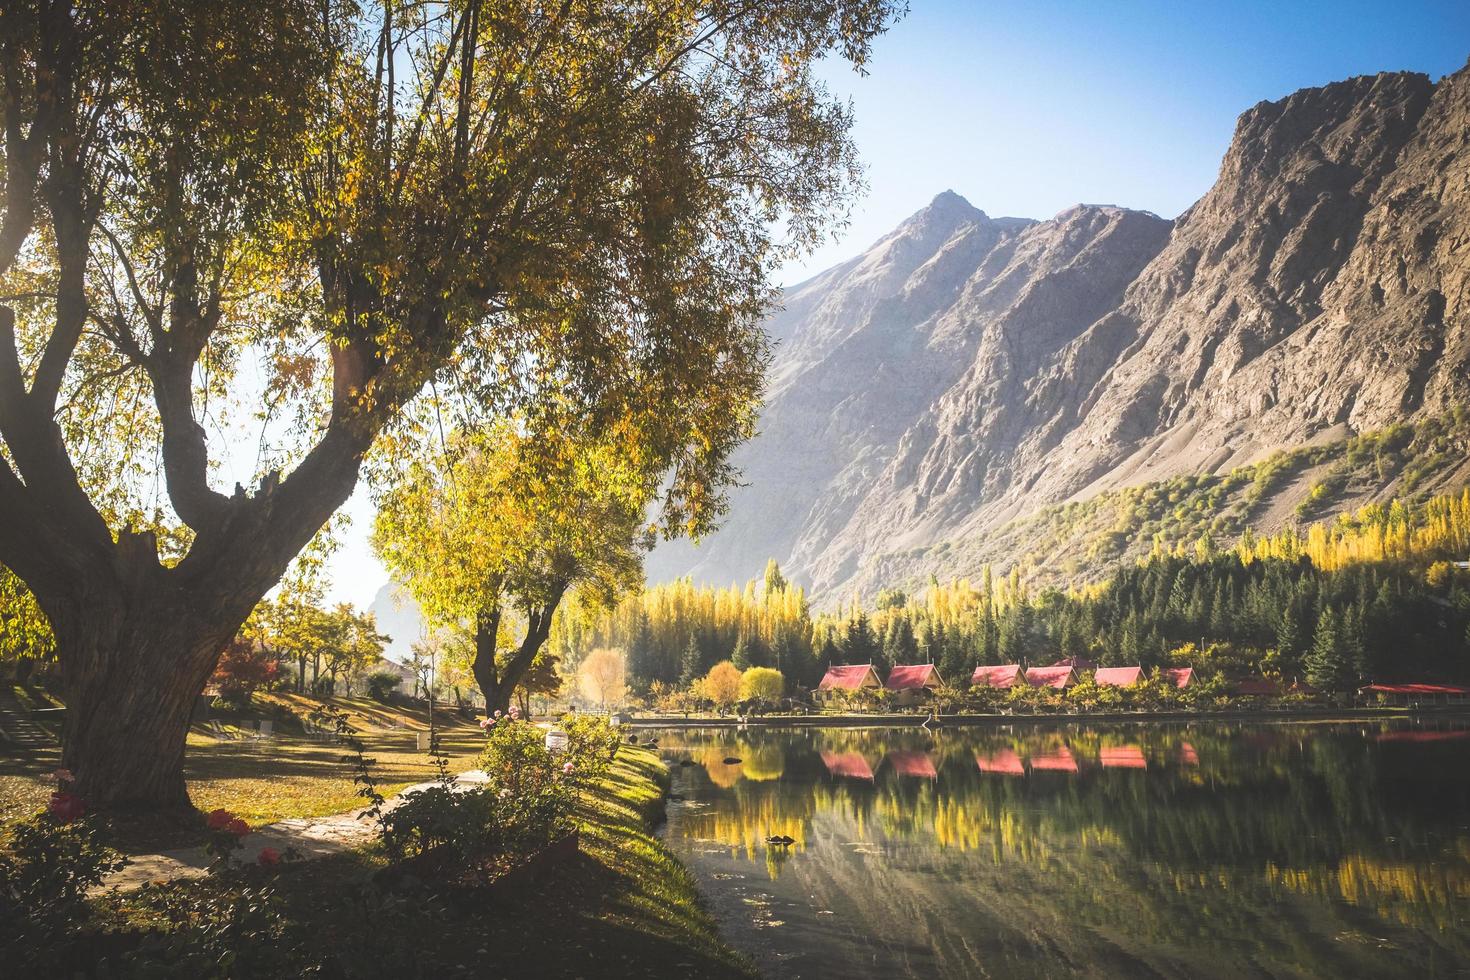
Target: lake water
1201	850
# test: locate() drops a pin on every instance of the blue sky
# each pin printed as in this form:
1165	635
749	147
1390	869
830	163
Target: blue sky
1029	108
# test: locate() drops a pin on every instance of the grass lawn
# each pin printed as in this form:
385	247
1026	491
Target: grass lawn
623	907
286	776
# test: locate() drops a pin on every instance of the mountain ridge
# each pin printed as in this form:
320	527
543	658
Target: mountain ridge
965	371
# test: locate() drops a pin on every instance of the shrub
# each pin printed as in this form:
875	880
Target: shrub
46	867
764	683
381	684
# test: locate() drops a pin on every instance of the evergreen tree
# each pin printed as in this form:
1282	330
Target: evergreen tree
740	656
690	667
1327	666
858	646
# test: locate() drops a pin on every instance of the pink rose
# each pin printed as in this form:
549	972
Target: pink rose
485	723
568	768
269	857
65	806
219	819
237	827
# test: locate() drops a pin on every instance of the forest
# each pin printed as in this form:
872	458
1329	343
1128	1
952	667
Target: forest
1374	596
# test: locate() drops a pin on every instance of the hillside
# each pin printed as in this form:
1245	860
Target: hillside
939	400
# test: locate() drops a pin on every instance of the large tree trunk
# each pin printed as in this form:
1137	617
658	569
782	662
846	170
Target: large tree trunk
131	674
497	684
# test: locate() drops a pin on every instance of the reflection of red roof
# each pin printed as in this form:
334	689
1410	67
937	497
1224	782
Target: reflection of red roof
996	676
1255	685
912	677
1188	755
850	764
1422	736
1005	762
1178	676
1076	663
1118	676
1058	677
1123	757
913	764
1061	760
849	677
1418	689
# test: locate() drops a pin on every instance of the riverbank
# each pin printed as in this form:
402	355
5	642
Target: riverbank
981	720
622	906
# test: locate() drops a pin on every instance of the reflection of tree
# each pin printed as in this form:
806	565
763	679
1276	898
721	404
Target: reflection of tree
1243	821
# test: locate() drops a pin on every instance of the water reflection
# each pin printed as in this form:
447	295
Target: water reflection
1201	850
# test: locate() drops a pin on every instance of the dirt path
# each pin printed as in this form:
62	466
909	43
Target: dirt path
313	837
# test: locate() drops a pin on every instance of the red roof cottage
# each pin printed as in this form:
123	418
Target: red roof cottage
1178	676
1054	677
1118	676
849	678
912	681
1008	675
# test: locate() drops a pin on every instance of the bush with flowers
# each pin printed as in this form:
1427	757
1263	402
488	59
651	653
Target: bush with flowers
47	864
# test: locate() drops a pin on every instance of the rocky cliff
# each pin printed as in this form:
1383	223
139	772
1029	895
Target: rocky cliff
966	372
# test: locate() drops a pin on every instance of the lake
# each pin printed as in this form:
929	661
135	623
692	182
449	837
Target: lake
1198	850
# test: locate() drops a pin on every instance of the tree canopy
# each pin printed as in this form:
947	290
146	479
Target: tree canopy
325	221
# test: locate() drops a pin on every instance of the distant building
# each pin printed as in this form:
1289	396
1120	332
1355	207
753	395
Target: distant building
1004	676
1059	677
913	682
1076	663
1178	676
849	678
1118	676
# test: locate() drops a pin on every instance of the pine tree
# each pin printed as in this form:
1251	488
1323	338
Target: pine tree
1326	665
689	663
740	656
858	646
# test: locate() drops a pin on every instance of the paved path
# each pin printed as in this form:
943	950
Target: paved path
314	837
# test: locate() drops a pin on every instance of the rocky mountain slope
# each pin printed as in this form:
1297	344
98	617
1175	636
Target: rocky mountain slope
967	372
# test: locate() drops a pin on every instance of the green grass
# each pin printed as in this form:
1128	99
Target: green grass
262	782
623	907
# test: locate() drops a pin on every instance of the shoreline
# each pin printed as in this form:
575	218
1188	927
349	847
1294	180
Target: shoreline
993	720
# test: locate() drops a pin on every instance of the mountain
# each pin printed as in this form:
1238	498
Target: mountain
966	373
398	616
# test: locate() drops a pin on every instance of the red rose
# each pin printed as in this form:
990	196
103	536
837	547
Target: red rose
65	806
269	857
238	827
219	819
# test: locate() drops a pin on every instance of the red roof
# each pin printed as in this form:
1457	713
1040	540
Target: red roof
913	764
1061	760
1451	689
1118	676
847	764
912	677
1057	677
1256	685
1178	676
848	677
1005	762
1123	757
1001	676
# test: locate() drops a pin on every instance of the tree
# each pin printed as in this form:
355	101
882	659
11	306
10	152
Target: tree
508	522
602	677
858	645
689	662
722	684
244	665
764	683
362	198
1327	663
740	656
